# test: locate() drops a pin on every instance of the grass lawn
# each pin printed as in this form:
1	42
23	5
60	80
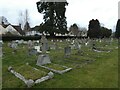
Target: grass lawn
101	73
55	66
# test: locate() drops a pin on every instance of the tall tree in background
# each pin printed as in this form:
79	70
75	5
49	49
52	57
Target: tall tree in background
54	16
94	29
117	32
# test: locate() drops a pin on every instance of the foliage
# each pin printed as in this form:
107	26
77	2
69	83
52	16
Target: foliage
54	16
117	32
94	29
105	32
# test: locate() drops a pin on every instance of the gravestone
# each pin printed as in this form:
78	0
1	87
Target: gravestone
77	45
67	51
38	49
14	47
32	51
44	44
43	59
30	44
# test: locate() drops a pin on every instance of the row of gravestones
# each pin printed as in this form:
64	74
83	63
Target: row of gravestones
43	47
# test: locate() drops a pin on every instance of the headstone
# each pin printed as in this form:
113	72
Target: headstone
43	59
30	44
44	44
38	49
32	51
67	51
77	45
14	46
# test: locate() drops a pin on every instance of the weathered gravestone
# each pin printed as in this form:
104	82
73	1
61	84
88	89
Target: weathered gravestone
30	44
44	44
77	45
31	50
14	46
67	51
43	59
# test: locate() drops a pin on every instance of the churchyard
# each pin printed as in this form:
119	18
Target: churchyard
55	63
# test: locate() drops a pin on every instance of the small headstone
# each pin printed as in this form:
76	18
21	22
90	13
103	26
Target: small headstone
30	44
32	51
37	48
14	46
43	59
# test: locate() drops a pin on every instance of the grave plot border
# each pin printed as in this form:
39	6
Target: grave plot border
80	64
31	82
57	71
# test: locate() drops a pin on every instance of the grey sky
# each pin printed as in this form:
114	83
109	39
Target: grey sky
78	11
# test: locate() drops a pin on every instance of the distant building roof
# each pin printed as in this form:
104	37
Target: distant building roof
18	28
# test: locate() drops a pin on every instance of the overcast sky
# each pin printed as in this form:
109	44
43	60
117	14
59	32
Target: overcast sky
78	11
